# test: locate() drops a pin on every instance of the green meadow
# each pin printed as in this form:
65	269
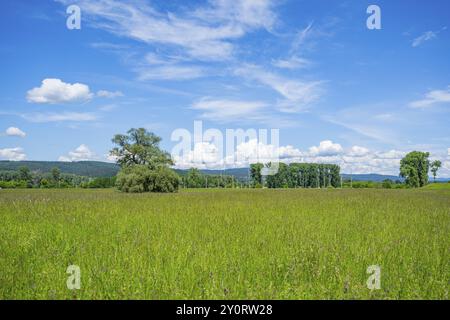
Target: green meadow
225	244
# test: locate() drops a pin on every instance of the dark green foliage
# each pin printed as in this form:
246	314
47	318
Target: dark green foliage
82	168
435	165
140	147
194	178
145	167
140	178
387	184
301	175
255	174
414	168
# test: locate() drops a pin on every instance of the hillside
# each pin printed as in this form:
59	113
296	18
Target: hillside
104	169
82	168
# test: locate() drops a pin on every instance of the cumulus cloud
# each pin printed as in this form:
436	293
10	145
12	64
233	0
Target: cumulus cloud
431	98
357	151
326	148
55	91
15	132
82	153
356	159
12	154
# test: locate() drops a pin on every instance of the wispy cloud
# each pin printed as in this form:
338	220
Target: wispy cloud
432	98
170	72
60	117
426	36
229	110
297	95
204	34
293	62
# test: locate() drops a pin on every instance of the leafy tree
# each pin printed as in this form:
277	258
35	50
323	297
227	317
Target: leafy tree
25	176
414	168
435	165
255	174
194	179
387	184
145	167
140	147
140	178
56	175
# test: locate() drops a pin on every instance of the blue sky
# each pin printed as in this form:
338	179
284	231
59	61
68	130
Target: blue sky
337	91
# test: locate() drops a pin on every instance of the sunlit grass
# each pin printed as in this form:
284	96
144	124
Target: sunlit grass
225	244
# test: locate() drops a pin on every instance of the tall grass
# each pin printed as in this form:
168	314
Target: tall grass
225	244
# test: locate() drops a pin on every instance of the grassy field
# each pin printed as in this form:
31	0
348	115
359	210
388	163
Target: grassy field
225	244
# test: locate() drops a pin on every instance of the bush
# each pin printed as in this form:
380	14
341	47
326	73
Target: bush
387	184
139	178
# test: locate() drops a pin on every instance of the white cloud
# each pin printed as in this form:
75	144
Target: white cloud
357	151
15	132
82	153
170	72
356	159
326	148
293	62
426	36
298	95
228	110
431	98
12	154
60	117
109	94
204	33
54	91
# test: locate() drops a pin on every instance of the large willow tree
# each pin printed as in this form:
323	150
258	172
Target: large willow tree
144	166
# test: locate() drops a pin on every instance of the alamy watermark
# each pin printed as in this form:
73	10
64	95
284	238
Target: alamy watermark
74	279
374	20
211	149
73	22
374	281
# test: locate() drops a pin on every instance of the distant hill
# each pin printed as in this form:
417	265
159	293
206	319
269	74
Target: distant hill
371	177
82	168
105	169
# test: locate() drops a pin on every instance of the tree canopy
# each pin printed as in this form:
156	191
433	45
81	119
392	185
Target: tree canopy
139	147
145	167
435	165
414	168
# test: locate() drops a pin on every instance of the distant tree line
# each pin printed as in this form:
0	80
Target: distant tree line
194	178
25	178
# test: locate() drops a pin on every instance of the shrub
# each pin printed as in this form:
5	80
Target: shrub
387	184
139	178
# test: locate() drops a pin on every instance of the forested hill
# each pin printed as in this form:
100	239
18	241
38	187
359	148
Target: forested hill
82	168
104	169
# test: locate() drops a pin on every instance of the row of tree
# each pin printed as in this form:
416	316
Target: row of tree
25	178
147	168
196	179
414	167
297	175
